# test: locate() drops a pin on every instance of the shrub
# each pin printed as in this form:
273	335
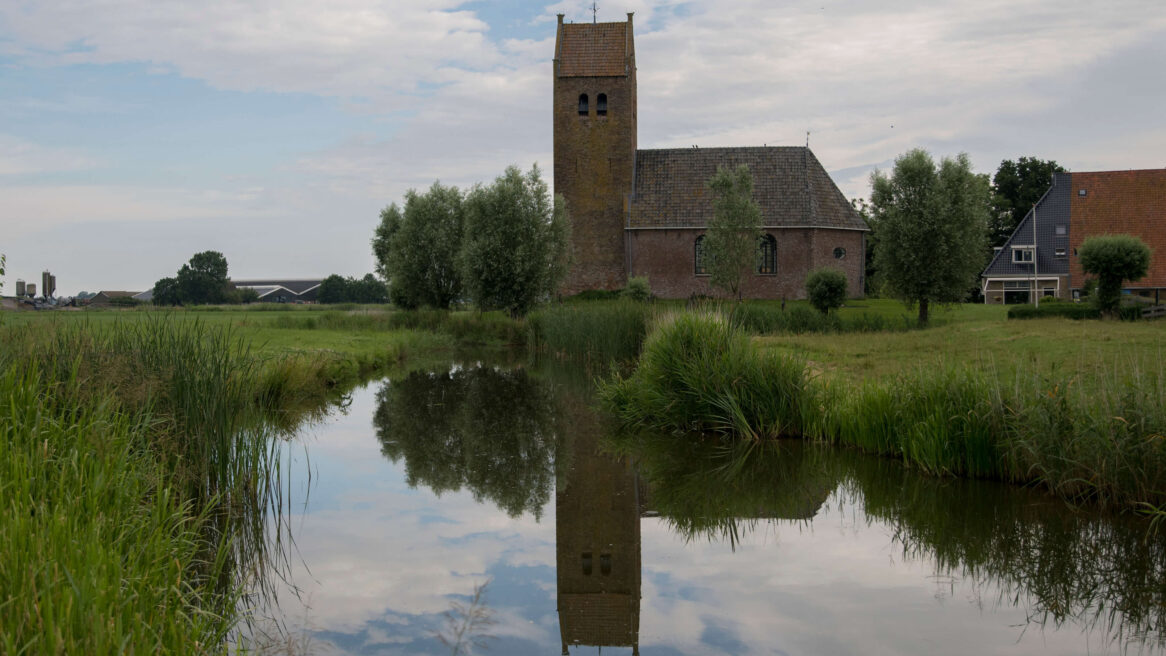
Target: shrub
826	288
638	289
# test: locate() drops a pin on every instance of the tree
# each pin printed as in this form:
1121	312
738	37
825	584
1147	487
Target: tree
416	248
515	247
368	290
731	240
166	292
3	261
826	288
1114	258
204	279
932	228
333	289
1016	187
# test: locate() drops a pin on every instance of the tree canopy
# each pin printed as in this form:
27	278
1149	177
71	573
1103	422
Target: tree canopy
514	249
416	248
1114	259
731	240
203	280
1016	187
826	288
335	289
933	226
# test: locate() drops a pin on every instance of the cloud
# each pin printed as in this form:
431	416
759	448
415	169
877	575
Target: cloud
21	157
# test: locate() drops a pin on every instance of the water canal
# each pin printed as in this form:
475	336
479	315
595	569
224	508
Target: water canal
422	489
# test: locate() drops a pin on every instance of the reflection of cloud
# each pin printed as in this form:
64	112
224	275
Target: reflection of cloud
381	574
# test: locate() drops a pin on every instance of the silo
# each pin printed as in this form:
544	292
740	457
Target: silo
20	287
30	288
47	283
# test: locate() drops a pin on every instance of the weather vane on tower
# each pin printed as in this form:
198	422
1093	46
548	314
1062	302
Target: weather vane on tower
594	13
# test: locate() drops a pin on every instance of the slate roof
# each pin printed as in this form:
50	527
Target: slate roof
789	184
1051	210
593	49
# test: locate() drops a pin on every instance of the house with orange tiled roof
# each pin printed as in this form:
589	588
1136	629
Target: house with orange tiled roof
1041	255
638	212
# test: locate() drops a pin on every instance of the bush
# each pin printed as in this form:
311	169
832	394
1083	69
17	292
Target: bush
826	288
1069	311
638	289
699	373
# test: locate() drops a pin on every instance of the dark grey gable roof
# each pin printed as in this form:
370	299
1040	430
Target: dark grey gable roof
789	184
297	287
1051	210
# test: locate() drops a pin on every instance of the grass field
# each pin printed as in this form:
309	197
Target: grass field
978	336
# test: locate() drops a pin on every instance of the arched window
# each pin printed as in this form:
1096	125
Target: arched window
582	104
601	104
698	257
767	255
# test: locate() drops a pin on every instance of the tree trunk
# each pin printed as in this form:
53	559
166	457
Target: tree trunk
923	315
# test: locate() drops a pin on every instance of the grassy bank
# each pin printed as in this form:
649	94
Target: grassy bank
137	451
1084	433
133	488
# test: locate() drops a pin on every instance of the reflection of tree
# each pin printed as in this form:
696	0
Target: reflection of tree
1101	572
720	488
491	431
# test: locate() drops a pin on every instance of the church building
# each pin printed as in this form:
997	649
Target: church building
644	212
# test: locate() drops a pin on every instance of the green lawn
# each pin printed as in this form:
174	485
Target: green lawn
981	336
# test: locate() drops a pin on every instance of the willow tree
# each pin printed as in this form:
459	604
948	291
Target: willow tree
514	252
1114	259
933	228
731	239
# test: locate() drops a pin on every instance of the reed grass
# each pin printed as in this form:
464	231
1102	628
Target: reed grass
138	486
699	373
1099	439
593	331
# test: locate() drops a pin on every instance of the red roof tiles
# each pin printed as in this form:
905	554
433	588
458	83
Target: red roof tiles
593	50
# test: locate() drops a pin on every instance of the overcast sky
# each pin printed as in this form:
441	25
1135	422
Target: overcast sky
135	133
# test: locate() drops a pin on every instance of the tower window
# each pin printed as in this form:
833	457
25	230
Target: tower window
601	104
767	255
698	257
582	104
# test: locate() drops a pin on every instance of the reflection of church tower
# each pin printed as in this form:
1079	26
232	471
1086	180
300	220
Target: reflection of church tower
597	534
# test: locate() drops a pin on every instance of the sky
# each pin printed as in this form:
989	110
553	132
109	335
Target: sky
135	133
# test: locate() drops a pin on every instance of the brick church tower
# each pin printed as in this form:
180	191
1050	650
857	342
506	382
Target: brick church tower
595	146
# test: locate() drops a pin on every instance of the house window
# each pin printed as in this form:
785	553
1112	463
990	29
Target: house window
582	104
1081	193
839	253
767	255
1062	230
1061	252
601	104
698	257
1022	255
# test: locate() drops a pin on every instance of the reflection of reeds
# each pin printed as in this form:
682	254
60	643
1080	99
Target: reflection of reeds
466	626
1099	572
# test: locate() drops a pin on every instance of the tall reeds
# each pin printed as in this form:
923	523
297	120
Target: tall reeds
1101	440
601	331
137	482
699	373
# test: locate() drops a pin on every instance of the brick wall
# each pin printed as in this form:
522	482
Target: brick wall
594	157
1120	202
666	257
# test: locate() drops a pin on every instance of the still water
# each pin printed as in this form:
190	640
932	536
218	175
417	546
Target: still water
423	489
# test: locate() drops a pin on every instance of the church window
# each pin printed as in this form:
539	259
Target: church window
839	253
698	257
767	255
601	104
582	104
